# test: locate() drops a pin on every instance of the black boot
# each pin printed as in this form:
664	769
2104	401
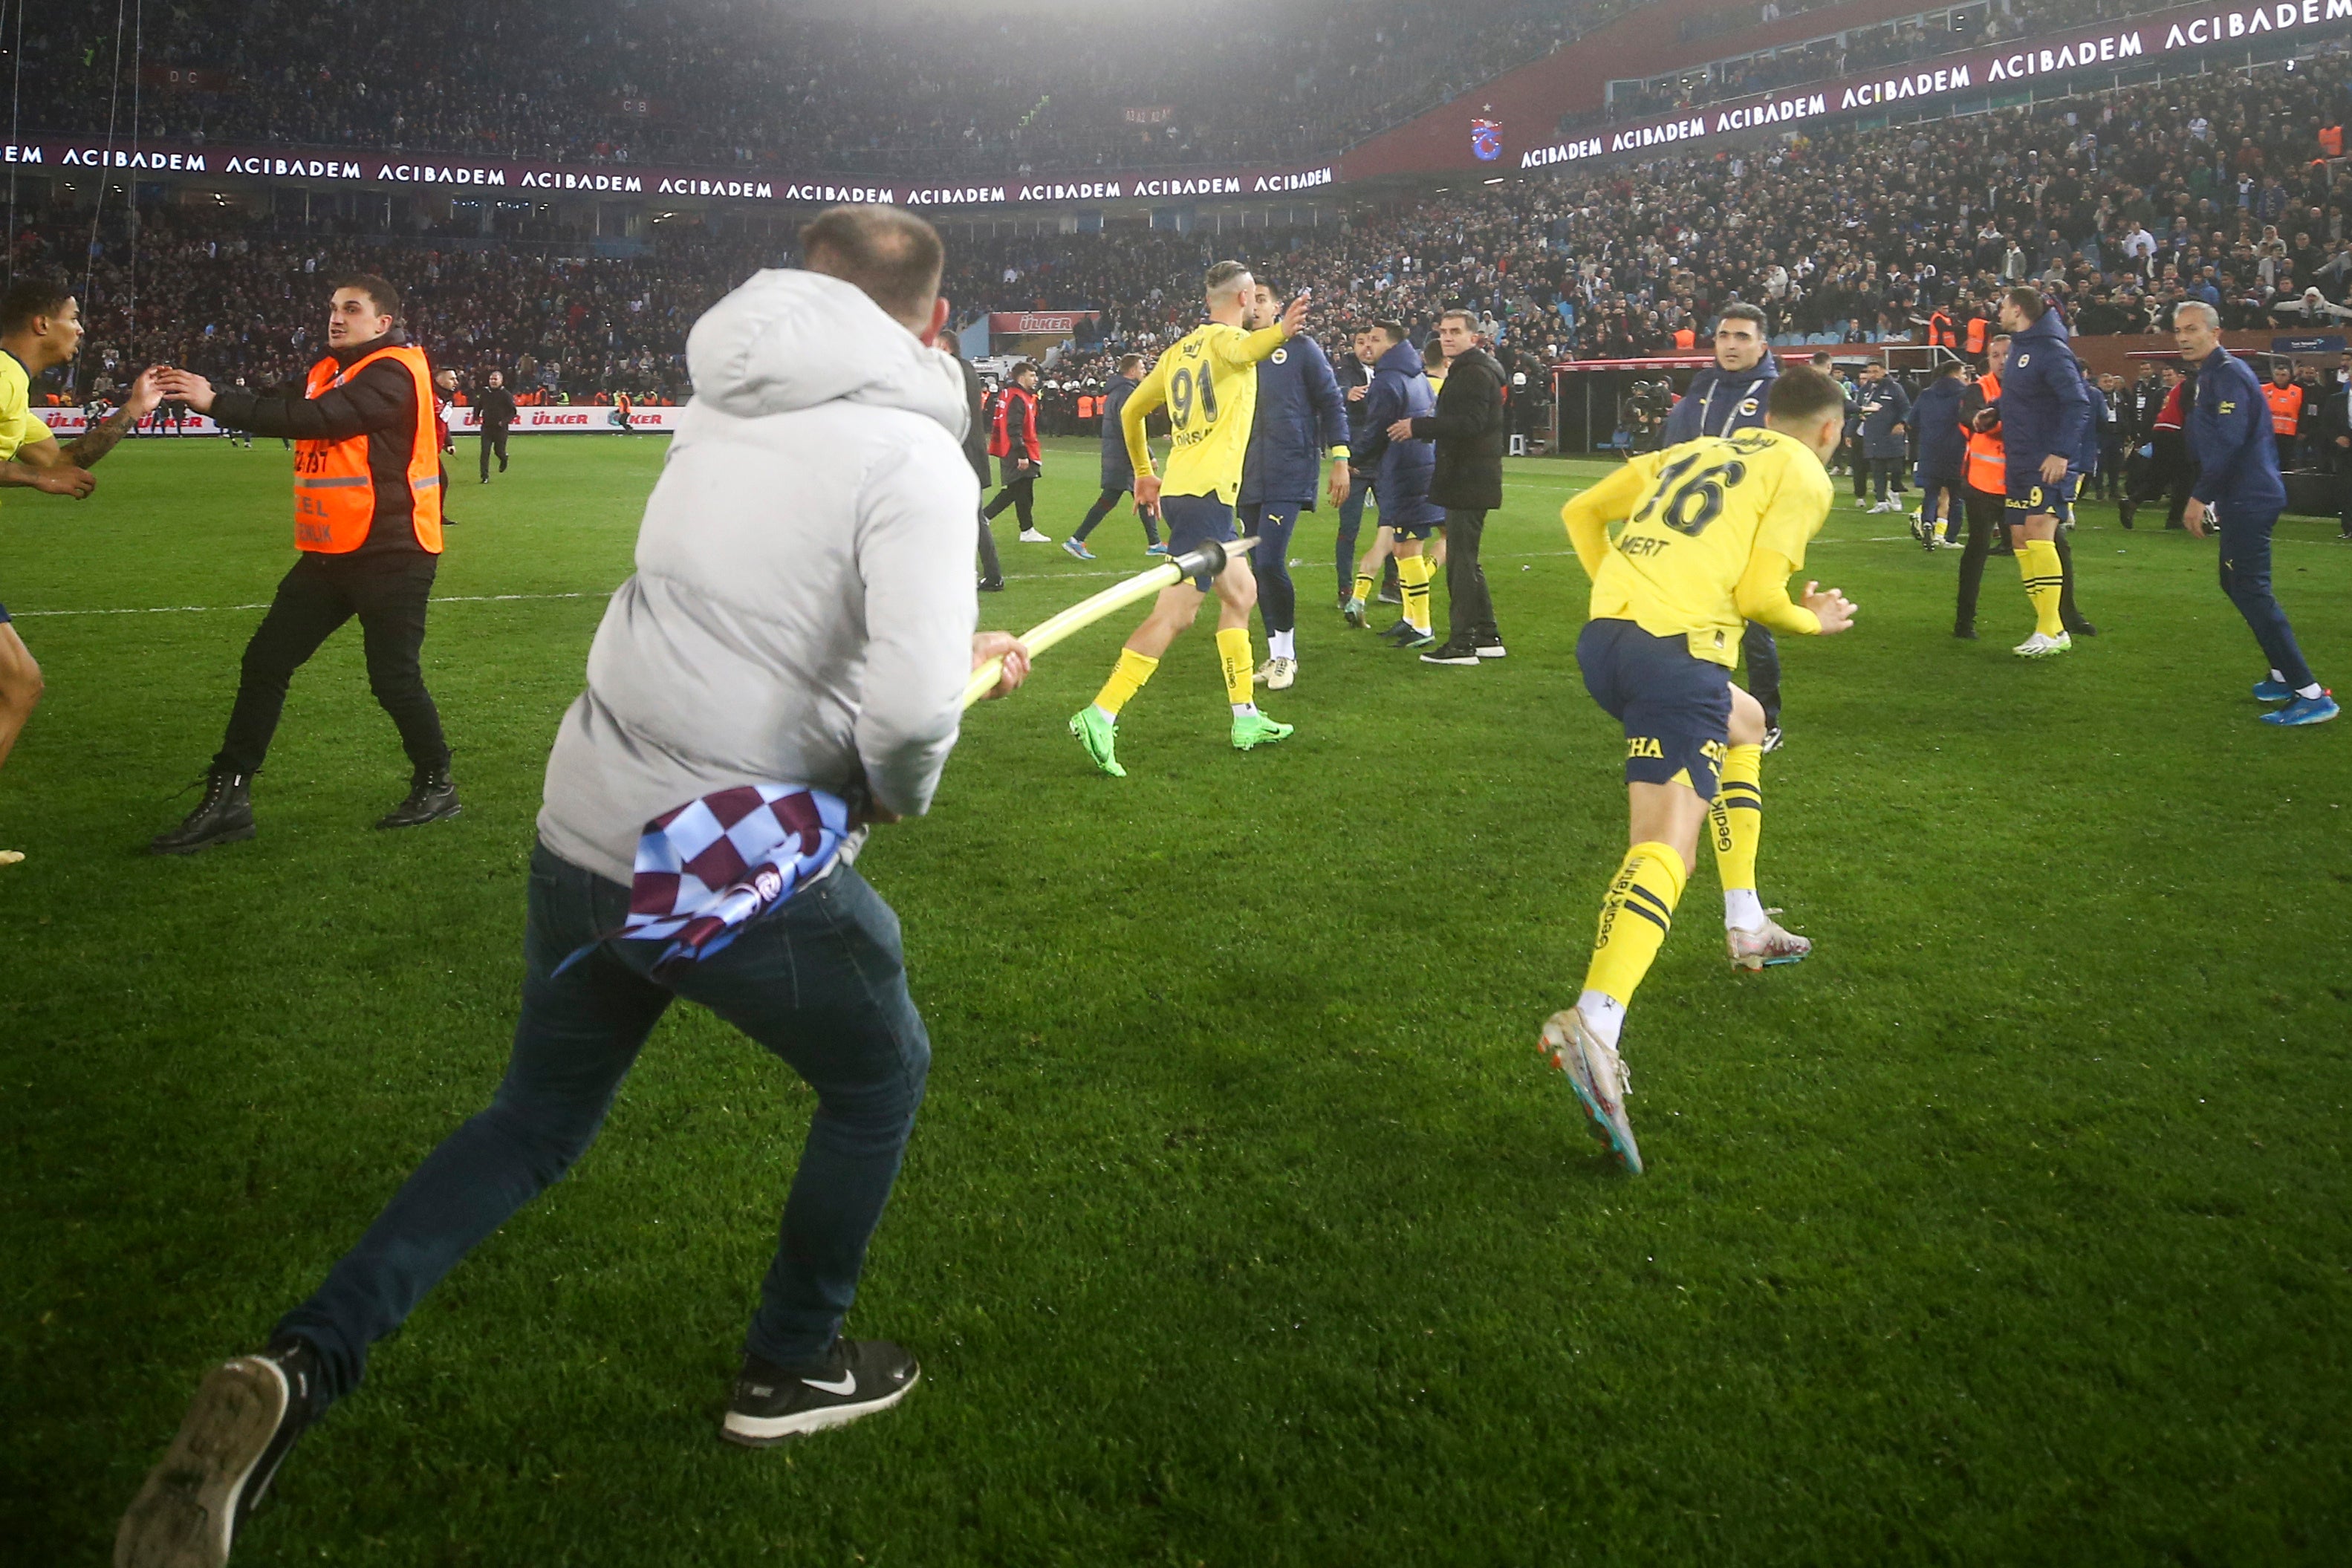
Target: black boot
431	797
224	816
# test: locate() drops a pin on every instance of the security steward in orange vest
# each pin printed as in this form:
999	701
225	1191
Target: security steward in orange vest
1984	484
367	519
2285	399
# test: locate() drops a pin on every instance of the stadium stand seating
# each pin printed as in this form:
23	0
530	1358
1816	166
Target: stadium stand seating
734	82
1843	235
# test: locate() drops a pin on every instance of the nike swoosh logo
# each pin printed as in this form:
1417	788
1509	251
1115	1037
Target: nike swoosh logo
848	1383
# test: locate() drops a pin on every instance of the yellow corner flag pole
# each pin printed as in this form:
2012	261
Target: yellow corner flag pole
1209	559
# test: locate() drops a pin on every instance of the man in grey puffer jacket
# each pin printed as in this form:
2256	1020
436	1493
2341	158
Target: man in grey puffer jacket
801	612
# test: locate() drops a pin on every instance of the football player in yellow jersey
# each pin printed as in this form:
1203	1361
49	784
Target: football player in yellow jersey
1207	381
40	328
1713	529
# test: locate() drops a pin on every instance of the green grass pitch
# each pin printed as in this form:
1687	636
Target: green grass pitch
1242	1226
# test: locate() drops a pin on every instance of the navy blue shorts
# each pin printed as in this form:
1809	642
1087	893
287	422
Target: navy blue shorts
2029	496
1193	521
1413	530
4	615
1676	708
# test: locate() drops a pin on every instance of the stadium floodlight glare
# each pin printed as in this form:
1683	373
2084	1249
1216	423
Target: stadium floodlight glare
1208	560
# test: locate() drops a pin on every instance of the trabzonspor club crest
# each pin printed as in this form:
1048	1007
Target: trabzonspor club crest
1487	139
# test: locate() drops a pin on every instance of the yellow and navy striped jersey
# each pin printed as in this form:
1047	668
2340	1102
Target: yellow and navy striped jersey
1208	382
1695	516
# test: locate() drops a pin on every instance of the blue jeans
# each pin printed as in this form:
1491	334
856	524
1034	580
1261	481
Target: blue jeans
2246	578
819	981
1277	597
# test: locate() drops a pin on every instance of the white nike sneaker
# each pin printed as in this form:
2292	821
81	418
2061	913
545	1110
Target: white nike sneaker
2040	647
1279	673
1035	537
1600	1077
1762	946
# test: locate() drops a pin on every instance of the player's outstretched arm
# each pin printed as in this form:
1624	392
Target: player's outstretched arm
1762	596
54	475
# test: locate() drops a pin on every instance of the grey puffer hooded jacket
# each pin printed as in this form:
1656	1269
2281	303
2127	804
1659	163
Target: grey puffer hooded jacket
803	606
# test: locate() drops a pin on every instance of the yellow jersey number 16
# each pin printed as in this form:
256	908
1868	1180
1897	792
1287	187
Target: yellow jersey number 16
1693	500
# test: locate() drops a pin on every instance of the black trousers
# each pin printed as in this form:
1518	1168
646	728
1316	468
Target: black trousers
992	569
494	435
1983	510
1019	494
2169	474
1986	520
1103	506
1470	609
388	593
2109	480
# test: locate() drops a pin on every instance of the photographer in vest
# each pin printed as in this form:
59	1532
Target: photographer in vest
367	519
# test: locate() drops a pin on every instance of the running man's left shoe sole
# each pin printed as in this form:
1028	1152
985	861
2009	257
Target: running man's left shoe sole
1572	1047
186	1513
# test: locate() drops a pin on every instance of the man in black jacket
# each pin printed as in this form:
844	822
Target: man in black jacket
495	408
1468	482
383	577
975	452
2335	440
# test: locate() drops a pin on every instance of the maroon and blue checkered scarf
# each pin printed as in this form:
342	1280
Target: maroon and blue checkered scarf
707	868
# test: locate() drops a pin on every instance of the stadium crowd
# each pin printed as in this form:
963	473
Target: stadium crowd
2221	188
696	83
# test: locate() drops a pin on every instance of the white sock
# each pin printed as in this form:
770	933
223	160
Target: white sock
1244	710
1282	644
1742	910
2312	690
1103	714
2277	677
1603	1014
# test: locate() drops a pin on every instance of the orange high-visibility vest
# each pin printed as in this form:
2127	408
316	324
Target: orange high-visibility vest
1685	338
1939	332
1988	457
2287	406
334	494
1977	329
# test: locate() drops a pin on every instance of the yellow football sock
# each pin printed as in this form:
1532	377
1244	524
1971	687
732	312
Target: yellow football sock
1413	575
1127	678
1737	813
2045	579
1234	659
1635	915
1364	587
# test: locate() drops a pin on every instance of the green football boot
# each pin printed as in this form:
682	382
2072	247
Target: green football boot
1099	736
1256	729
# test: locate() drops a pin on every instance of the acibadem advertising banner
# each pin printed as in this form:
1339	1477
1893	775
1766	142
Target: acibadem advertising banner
496	180
559	419
1997	69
